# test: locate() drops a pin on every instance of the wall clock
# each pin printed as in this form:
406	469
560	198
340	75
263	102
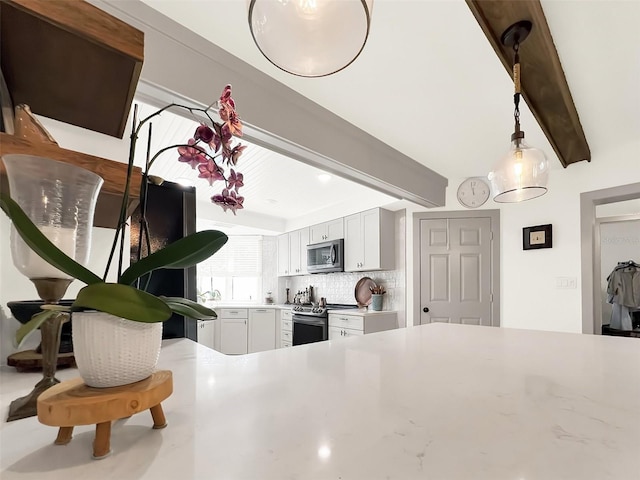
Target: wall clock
473	192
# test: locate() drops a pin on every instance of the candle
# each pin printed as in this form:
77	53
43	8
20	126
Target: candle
30	264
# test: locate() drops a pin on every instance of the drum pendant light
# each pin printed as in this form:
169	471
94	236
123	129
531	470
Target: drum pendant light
310	38
522	173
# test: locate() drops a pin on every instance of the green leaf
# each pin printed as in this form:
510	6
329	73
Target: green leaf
189	308
35	322
41	244
122	301
183	253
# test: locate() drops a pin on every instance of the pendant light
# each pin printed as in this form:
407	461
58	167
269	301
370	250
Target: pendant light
310	38
522	173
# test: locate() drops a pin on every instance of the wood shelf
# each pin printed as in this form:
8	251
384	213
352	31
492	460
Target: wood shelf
70	61
114	175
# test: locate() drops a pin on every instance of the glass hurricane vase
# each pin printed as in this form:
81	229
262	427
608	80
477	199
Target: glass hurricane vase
59	198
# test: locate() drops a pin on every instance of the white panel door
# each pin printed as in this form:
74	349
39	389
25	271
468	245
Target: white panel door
261	334
455	271
352	243
233	336
370	240
283	255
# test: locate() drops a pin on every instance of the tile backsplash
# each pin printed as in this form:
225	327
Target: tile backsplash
340	287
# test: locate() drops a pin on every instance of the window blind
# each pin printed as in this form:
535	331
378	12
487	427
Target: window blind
240	256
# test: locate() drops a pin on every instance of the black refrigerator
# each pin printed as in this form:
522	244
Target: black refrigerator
171	215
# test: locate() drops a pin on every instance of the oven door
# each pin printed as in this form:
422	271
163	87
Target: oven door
307	329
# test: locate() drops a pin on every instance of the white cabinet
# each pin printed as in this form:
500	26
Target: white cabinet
348	323
245	330
233	336
261	333
206	333
369	241
298	241
283	255
233	330
286	328
323	232
292	253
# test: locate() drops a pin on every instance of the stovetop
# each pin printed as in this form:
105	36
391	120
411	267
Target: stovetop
317	311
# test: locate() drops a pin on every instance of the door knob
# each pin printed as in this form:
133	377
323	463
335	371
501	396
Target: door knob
425	309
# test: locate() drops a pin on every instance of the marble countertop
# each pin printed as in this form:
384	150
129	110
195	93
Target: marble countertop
360	311
436	401
248	305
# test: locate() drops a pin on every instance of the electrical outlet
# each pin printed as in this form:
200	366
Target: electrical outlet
566	283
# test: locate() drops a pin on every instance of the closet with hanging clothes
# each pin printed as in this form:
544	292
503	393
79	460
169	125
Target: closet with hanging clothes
623	292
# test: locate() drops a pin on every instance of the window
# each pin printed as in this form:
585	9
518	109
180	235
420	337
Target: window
233	273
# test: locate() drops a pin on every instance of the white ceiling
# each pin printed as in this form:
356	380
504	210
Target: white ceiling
429	84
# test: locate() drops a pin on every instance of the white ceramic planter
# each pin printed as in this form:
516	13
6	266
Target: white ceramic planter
112	351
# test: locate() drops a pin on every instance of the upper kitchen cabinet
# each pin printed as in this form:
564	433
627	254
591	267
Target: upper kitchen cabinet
292	253
369	241
283	255
324	232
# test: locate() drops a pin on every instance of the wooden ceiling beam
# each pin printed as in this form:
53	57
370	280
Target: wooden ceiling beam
544	85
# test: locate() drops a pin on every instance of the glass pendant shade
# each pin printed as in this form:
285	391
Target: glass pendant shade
310	38
520	175
59	198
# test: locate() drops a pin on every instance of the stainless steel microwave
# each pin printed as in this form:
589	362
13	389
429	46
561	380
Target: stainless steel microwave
326	257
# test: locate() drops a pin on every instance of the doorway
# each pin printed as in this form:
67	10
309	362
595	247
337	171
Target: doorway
617	240
457	267
591	302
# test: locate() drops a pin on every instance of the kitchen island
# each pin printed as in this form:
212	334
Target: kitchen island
436	401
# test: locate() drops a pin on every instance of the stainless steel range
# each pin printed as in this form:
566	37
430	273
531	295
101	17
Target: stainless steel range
311	323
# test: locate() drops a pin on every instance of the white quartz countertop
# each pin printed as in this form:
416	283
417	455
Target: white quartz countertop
431	402
248	305
360	311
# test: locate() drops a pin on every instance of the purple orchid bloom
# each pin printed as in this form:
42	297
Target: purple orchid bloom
227	112
191	155
210	171
221	138
204	133
235	180
228	200
235	153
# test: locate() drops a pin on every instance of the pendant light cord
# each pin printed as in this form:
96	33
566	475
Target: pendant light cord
516	83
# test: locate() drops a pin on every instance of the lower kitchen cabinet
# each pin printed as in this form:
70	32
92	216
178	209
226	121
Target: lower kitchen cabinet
233	335
206	333
286	328
349	323
261	334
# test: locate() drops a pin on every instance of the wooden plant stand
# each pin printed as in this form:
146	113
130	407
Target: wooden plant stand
73	403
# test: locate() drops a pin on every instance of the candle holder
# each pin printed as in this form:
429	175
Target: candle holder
59	198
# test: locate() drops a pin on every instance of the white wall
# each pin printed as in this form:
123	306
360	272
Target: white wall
529	296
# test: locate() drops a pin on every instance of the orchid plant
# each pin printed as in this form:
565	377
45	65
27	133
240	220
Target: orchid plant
210	151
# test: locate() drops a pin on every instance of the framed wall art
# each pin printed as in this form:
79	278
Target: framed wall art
535	237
